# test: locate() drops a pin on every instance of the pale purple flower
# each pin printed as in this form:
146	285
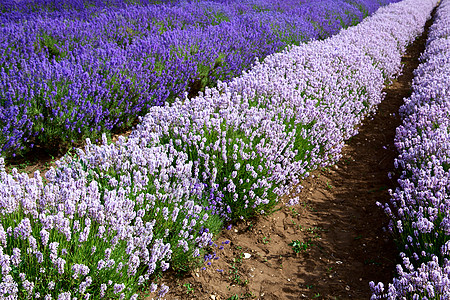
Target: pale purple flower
153	287
79	269
2	236
28	286
118	288
64	296
103	288
45	235
23	229
163	290
60	263
15	257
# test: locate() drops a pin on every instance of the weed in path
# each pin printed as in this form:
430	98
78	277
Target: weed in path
188	287
298	246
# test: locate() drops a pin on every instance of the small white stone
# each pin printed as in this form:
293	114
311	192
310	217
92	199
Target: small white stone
339	262
213	297
247	255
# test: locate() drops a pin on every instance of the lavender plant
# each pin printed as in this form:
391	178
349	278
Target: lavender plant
234	152
102	225
52	247
419	206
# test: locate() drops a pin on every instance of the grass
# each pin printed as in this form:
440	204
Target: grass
188	287
234	271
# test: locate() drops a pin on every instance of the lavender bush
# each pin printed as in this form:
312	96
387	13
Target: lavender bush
71	70
154	200
102	225
419	208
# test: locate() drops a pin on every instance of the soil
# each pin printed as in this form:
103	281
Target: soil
337	227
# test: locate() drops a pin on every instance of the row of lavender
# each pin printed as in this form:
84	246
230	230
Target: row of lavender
71	74
16	9
108	221
420	206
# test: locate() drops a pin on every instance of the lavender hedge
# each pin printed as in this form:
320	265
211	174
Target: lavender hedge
420	206
20	9
69	72
112	218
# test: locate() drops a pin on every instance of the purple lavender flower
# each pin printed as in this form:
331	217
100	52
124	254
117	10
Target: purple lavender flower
15	257
118	288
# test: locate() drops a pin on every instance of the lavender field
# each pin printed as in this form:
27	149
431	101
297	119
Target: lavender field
73	70
234	104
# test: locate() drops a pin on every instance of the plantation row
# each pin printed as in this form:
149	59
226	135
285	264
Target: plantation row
111	219
420	206
75	73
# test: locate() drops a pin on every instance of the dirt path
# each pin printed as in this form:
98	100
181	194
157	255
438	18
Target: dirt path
337	226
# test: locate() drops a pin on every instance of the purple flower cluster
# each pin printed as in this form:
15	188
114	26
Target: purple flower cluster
115	215
68	73
420	206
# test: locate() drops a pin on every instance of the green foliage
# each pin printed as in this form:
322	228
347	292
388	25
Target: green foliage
217	17
51	45
298	246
